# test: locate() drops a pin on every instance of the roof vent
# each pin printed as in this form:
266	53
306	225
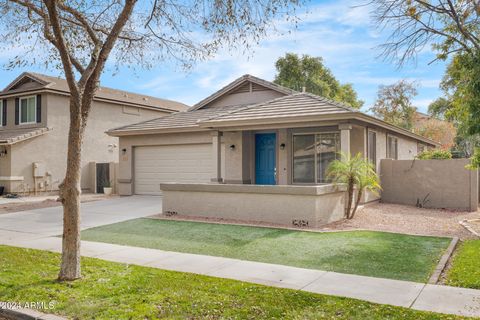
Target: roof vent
145	99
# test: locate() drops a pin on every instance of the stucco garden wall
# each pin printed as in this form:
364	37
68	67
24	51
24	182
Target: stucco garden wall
430	183
311	206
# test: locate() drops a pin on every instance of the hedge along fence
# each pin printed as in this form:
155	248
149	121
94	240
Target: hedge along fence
430	183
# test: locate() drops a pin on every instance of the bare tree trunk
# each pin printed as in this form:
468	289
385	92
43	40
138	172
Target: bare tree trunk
70	195
357	201
350	188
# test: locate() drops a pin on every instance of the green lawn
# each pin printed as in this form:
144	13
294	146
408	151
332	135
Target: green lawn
465	269
116	291
378	254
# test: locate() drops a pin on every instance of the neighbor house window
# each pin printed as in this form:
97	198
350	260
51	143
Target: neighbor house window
392	147
372	147
28	110
312	154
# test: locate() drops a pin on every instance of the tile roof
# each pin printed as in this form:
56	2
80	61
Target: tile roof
295	105
59	84
187	119
17	135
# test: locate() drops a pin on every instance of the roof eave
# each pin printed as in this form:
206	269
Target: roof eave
20	77
219	124
135	132
66	93
8	142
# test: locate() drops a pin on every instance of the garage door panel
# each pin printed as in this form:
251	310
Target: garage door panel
178	163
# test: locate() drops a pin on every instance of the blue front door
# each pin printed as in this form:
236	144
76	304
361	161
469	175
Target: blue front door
265	158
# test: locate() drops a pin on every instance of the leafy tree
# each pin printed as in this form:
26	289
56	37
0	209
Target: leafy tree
440	131
309	72
358	174
439	108
461	105
452	28
78	37
394	104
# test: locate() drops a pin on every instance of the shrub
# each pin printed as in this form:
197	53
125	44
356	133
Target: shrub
474	160
435	154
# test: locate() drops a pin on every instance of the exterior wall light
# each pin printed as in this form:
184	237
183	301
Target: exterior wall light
282	146
3	153
232	147
124	151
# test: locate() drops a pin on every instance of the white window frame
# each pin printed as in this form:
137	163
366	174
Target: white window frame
20	110
1	112
314	133
388	146
369	146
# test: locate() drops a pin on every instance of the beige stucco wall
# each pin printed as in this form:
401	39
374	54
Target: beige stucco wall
407	150
283	205
50	149
412	181
238	165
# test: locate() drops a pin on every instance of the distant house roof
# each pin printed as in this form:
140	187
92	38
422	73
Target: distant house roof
239	82
60	85
14	136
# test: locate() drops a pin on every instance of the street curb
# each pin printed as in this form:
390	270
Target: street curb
28	314
443	262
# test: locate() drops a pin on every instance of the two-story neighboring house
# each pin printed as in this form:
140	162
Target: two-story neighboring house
34	119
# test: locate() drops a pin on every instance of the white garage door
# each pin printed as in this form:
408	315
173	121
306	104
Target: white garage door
177	163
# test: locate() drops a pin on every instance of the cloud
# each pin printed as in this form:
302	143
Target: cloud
339	31
422	104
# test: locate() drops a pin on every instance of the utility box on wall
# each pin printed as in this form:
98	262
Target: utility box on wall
39	169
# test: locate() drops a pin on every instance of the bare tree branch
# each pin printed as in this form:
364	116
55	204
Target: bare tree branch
62	47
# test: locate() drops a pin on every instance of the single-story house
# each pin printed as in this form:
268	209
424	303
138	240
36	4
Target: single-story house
250	142
34	122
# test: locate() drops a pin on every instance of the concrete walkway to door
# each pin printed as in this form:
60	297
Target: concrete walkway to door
38	229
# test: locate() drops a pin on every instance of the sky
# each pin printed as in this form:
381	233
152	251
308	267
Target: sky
341	32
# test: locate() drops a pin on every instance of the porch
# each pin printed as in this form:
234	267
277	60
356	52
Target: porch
301	206
270	175
283	156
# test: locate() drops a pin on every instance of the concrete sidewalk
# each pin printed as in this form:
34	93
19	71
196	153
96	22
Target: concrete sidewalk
407	294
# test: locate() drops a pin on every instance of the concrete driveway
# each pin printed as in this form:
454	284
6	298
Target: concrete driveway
40	223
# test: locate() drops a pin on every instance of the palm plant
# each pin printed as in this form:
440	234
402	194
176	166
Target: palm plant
357	173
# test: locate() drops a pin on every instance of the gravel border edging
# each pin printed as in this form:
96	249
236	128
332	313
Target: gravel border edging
28	314
443	262
465	224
